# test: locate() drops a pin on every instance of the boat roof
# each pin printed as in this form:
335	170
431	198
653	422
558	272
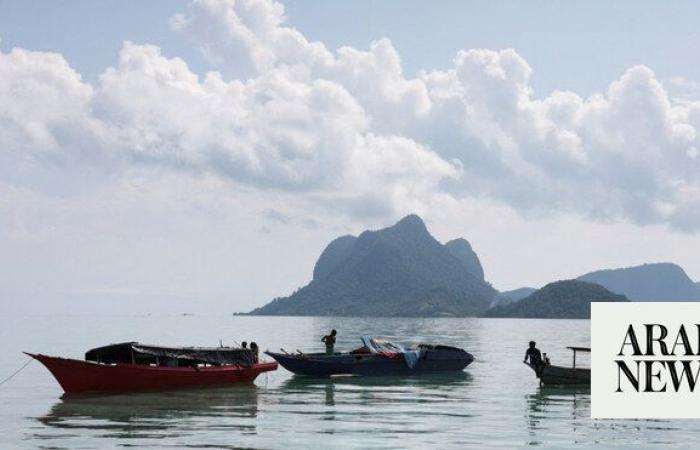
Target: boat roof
120	351
580	349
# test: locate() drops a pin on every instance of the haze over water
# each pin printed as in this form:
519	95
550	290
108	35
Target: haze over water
495	403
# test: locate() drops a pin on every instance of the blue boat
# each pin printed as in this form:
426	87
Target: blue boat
377	357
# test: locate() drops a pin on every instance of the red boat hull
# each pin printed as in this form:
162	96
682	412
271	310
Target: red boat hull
80	377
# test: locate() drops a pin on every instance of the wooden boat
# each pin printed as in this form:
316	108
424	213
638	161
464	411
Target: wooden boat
132	367
377	357
550	375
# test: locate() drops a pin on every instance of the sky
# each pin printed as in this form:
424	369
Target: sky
198	156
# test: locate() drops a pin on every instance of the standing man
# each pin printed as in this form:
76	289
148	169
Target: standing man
329	340
248	354
256	352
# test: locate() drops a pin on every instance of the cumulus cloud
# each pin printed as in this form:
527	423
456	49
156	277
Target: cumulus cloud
281	130
346	129
45	107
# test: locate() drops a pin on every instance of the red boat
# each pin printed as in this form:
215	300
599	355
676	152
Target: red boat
131	367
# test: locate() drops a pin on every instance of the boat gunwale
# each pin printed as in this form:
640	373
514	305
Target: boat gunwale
224	367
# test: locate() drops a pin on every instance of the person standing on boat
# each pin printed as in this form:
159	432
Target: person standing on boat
329	340
248	354
534	355
256	352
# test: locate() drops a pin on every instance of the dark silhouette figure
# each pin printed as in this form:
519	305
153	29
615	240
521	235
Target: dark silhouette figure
254	348
534	356
329	340
244	345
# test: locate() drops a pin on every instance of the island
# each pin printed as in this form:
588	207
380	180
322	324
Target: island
566	299
401	270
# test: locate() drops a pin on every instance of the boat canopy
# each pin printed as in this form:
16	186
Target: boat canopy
580	349
134	352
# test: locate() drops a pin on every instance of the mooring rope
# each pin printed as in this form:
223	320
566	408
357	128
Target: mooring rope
16	372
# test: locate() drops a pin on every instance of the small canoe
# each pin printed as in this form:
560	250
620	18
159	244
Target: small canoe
550	375
132	367
372	361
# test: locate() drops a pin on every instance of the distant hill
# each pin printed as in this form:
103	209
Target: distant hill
505	297
568	299
396	271
648	282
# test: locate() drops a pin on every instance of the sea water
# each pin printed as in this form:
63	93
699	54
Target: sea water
495	403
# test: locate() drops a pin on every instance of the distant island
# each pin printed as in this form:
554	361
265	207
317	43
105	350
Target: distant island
648	282
403	271
397	271
567	299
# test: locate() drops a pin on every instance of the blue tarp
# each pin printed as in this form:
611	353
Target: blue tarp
381	346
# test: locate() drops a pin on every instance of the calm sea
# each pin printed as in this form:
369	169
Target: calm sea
495	403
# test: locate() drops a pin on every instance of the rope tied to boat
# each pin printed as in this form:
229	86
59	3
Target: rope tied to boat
16	372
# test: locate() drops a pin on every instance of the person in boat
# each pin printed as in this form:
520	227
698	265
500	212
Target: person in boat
256	351
329	340
248	352
534	356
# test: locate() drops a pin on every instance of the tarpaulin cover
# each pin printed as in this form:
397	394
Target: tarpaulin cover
391	350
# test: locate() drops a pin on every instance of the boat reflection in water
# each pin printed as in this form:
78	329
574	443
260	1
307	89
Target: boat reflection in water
153	415
562	401
562	414
341	395
556	404
360	388
435	380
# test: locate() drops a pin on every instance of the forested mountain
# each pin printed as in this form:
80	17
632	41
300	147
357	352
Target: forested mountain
397	271
567	299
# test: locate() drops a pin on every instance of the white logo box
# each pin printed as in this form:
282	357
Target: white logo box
613	393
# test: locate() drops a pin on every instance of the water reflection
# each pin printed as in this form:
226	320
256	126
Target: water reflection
560	401
354	391
343	404
567	406
301	383
150	415
562	414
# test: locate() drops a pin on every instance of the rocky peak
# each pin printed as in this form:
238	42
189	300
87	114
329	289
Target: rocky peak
462	250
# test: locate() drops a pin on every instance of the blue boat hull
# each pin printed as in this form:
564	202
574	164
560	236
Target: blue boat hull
322	365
